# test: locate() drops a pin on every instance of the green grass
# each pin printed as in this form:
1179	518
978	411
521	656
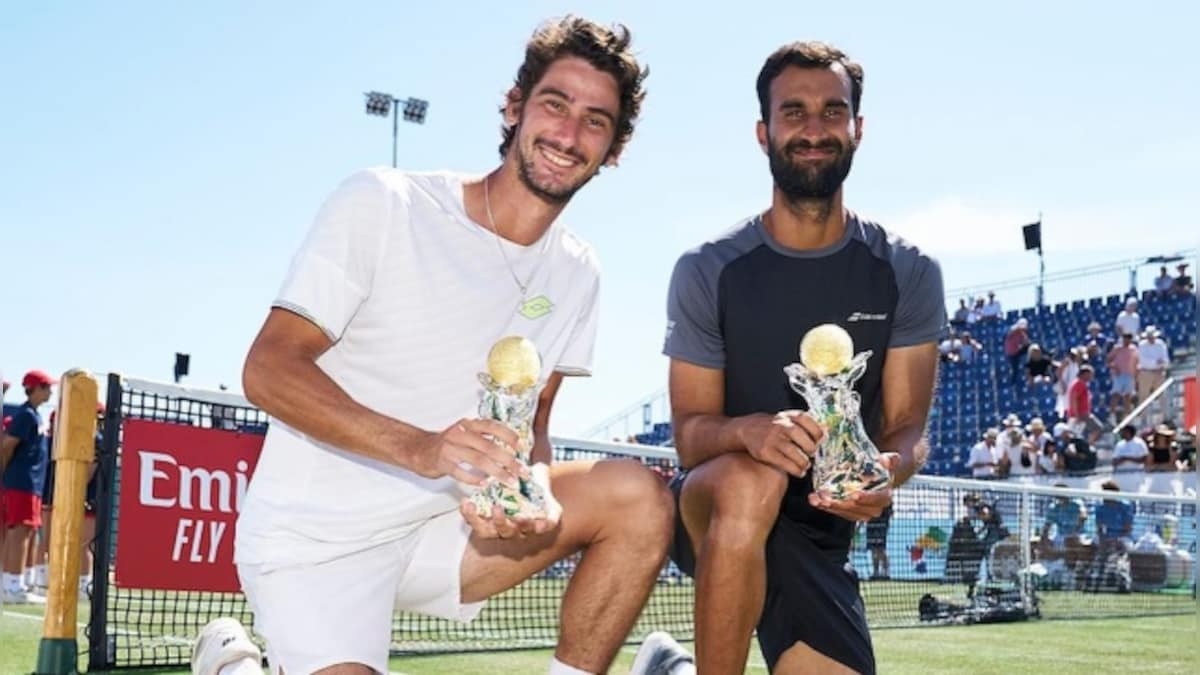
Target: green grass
1085	647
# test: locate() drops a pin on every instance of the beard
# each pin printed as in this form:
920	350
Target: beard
546	191
810	181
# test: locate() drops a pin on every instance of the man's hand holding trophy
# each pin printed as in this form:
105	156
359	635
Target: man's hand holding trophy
511	387
847	470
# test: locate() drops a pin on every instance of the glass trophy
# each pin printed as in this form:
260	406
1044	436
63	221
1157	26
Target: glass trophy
510	395
846	461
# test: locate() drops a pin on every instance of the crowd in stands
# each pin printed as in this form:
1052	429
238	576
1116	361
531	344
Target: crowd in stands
1075	386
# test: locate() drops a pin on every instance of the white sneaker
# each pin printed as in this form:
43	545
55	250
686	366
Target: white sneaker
658	655
23	597
222	642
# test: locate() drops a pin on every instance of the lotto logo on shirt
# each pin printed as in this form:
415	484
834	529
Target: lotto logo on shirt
181	490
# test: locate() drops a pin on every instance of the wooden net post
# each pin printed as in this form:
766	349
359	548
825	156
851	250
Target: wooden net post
74	450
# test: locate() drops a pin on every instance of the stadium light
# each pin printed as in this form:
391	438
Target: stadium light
382	104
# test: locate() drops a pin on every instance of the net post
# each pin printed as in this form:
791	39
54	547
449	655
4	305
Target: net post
1026	506
74	451
99	654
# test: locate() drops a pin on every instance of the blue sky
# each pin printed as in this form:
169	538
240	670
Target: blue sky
162	161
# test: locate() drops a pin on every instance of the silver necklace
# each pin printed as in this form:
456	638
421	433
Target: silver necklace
487	201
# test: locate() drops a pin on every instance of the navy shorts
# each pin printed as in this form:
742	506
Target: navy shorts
812	595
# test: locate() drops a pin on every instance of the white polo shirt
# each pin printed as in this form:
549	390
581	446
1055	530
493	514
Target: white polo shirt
413	293
1153	355
1134	448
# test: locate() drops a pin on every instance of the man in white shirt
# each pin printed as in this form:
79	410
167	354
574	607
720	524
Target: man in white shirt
1131	452
1153	361
992	309
369	364
985	456
1129	322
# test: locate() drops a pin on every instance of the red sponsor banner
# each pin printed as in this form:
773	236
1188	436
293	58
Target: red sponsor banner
1191	403
181	489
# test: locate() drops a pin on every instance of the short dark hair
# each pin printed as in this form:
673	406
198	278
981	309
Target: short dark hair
607	50
1110	485
1129	428
807	55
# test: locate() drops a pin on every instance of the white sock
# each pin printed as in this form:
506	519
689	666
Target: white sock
85	583
12	583
41	575
684	669
244	666
29	577
559	668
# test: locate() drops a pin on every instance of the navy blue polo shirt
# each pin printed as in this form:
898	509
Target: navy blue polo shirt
742	303
26	470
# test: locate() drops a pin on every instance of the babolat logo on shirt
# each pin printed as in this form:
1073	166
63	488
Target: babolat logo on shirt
536	307
863	316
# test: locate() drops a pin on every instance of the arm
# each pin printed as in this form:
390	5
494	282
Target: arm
909	374
703	432
8	445
281	377
542	451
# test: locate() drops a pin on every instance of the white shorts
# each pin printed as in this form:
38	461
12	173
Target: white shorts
340	611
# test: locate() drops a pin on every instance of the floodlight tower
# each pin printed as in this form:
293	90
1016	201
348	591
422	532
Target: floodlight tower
382	104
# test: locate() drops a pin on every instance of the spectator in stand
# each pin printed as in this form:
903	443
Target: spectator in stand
1162	449
991	311
985	456
1037	434
1131	452
1066	370
1123	366
1163	283
1095	333
976	314
1075	453
961	314
949	348
1129	321
1048	460
1152	364
1023	458
968	348
1016	343
1079	406
1183	285
1008	444
1038	368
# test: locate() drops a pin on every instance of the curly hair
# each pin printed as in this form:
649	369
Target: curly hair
806	55
607	50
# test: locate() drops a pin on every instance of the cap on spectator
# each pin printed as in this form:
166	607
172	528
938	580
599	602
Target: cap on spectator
1086	368
992	432
1060	428
1151	331
1131	302
36	378
1012	420
1022	323
1095	325
1036	424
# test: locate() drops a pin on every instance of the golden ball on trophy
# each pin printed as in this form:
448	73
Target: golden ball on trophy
827	349
514	362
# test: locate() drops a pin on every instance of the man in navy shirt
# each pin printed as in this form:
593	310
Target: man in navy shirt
23	457
763	548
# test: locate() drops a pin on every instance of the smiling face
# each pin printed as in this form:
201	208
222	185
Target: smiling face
565	128
812	132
